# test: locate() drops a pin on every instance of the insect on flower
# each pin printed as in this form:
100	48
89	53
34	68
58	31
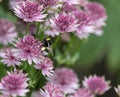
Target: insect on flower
47	46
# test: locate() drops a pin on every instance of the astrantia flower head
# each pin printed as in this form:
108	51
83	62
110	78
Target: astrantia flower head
9	58
83	92
66	78
30	11
85	24
28	49
13	3
46	65
47	3
117	90
64	23
98	15
68	8
7	32
52	90
96	84
14	84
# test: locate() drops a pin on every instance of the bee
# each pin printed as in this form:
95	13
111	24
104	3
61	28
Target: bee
47	46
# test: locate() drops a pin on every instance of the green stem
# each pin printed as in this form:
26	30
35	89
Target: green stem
38	27
27	29
56	41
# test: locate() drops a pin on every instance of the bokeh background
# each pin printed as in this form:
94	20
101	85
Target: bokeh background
98	55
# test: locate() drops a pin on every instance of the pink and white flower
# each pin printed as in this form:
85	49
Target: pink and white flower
14	84
98	15
46	65
96	84
83	92
64	23
52	90
7	32
28	49
30	12
85	24
9	58
117	90
66	78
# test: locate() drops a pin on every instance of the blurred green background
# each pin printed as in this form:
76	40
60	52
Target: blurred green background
99	55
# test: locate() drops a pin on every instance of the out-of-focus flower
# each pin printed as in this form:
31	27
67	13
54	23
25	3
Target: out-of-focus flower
98	15
66	78
4	96
85	24
68	8
47	3
13	3
64	23
96	84
7	32
14	84
28	49
52	32
46	65
117	90
83	2
36	94
9	58
71	2
30	11
52	90
83	92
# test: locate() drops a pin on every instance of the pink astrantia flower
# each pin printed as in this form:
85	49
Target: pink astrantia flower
46	65
30	11
83	92
96	84
9	58
68	8
52	90
85	24
64	23
28	49
52	32
7	32
66	78
117	90
47	3
98	15
13	3
14	84
36	94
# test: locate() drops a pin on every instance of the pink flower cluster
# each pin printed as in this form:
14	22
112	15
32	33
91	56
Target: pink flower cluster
14	84
27	49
